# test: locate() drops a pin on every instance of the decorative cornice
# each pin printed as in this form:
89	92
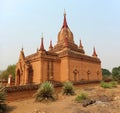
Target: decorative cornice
76	55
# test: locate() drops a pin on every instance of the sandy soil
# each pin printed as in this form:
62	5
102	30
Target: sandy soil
107	101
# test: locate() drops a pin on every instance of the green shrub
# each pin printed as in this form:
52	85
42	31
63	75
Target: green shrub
45	92
116	74
2	99
81	97
117	78
68	88
109	84
114	83
106	85
2	94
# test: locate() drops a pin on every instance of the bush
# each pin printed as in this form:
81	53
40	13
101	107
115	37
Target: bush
2	99
68	88
117	78
106	85
45	92
114	83
116	74
109	84
2	94
81	97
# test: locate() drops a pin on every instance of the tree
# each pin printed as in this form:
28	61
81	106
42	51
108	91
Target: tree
116	73
106	75
10	70
106	72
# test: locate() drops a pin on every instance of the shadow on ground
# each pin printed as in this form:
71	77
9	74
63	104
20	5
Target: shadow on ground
10	109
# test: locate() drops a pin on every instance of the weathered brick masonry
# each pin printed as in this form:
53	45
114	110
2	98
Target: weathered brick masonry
66	61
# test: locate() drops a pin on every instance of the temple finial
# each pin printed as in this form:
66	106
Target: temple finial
50	47
42	44
22	56
65	21
94	52
64	12
81	46
22	48
37	49
51	44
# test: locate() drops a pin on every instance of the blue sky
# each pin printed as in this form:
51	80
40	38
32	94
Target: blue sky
95	22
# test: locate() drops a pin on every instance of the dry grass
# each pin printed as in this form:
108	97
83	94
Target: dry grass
107	101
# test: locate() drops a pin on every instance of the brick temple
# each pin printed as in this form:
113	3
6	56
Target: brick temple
66	61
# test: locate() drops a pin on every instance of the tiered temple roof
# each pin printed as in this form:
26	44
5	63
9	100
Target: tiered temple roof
65	46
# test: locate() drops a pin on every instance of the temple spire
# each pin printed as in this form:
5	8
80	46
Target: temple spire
37	49
42	44
22	56
22	48
50	47
65	21
94	52
81	46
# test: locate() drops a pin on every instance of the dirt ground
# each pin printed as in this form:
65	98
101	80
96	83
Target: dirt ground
107	101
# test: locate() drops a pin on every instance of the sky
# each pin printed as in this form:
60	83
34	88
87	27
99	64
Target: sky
95	22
